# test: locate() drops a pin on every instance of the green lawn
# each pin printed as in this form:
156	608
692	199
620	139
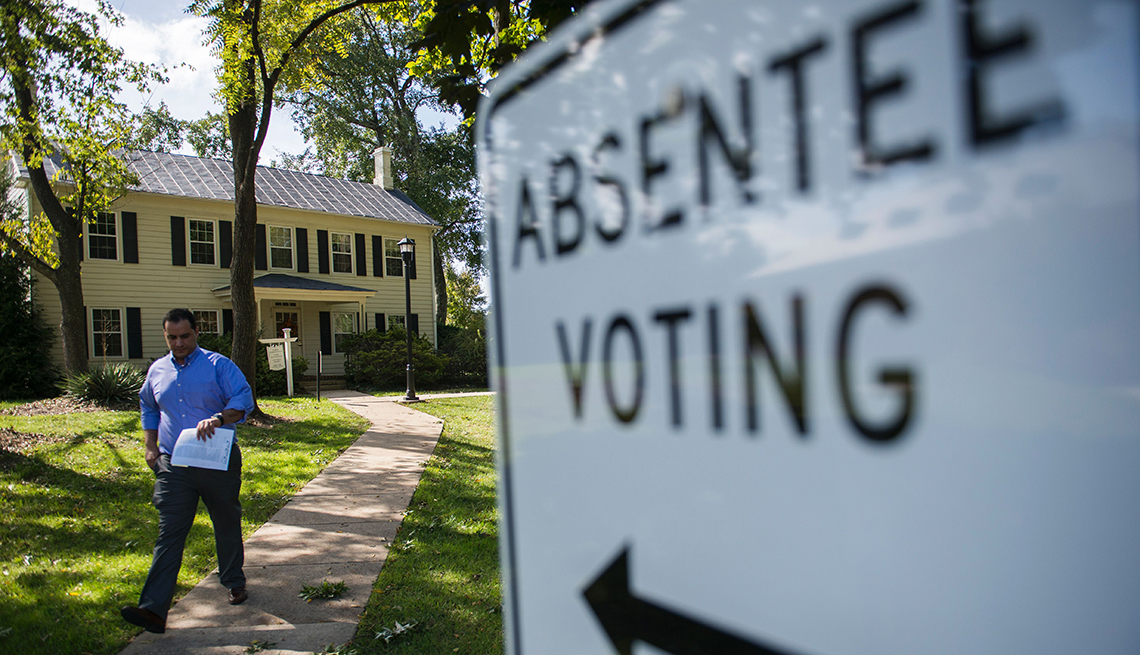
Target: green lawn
77	526
443	572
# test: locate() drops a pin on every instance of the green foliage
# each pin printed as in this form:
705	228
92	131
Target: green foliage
325	590
158	131
364	97
475	40
79	526
466	304
26	370
444	570
59	96
209	136
110	383
466	352
378	360
269	382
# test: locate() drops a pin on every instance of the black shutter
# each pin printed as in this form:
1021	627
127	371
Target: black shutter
326	333
361	257
414	319
412	267
259	262
227	321
134	333
86	333
178	240
130	223
322	251
226	242
377	256
302	250
380	326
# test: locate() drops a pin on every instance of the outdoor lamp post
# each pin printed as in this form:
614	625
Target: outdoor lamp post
407	249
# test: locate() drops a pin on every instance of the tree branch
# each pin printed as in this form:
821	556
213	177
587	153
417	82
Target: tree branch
25	255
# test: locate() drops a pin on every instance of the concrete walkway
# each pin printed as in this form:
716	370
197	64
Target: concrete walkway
338	527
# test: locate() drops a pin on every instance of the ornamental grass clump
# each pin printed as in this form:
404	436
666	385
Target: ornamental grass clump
110	383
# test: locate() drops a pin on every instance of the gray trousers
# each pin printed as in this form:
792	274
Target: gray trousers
176	493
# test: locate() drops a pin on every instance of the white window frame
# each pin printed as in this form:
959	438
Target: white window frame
95	339
292	247
333	253
190	241
397	256
117	237
336	332
217	319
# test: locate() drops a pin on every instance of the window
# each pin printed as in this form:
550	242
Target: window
208	321
395	322
102	237
341	252
286	319
343	325
280	247
393	262
201	242
107	332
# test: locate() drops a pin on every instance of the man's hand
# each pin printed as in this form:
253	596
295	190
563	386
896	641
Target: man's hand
207	426
151	454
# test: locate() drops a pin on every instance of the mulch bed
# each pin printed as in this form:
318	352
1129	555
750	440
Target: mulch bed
65	405
16	442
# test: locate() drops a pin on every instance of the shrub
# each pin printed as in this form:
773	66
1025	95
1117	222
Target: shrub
269	382
466	349
26	370
110	383
379	360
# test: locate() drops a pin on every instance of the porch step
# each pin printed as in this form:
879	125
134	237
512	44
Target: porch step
328	383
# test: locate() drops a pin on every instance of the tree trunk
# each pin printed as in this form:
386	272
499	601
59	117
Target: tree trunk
440	283
66	275
246	328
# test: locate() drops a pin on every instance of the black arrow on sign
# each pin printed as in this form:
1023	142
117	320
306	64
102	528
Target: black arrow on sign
626	617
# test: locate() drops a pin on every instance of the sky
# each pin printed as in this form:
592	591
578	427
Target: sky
161	32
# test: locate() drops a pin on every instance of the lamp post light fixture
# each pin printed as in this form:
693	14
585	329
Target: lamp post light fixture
407	250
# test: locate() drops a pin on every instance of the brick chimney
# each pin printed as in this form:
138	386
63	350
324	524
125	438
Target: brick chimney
383	157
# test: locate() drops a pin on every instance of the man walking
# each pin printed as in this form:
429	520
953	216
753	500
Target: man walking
190	388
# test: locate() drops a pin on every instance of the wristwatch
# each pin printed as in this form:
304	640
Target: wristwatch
221	421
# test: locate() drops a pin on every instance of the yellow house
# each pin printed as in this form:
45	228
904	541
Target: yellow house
326	258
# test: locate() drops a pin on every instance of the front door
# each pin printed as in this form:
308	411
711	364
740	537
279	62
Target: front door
287	319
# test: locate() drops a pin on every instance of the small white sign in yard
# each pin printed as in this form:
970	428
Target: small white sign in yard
276	354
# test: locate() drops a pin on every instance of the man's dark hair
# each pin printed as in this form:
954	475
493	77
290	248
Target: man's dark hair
179	315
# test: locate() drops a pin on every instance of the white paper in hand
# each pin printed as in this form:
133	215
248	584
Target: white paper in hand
213	453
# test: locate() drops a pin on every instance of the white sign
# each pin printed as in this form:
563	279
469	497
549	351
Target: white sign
817	328
276	354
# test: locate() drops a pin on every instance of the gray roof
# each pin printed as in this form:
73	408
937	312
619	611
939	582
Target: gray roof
283	281
212	179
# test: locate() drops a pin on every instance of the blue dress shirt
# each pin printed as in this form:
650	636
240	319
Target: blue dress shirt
178	396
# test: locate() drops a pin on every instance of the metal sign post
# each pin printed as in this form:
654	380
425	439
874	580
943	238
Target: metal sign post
816	328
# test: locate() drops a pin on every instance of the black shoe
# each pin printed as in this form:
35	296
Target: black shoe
144	619
238	595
